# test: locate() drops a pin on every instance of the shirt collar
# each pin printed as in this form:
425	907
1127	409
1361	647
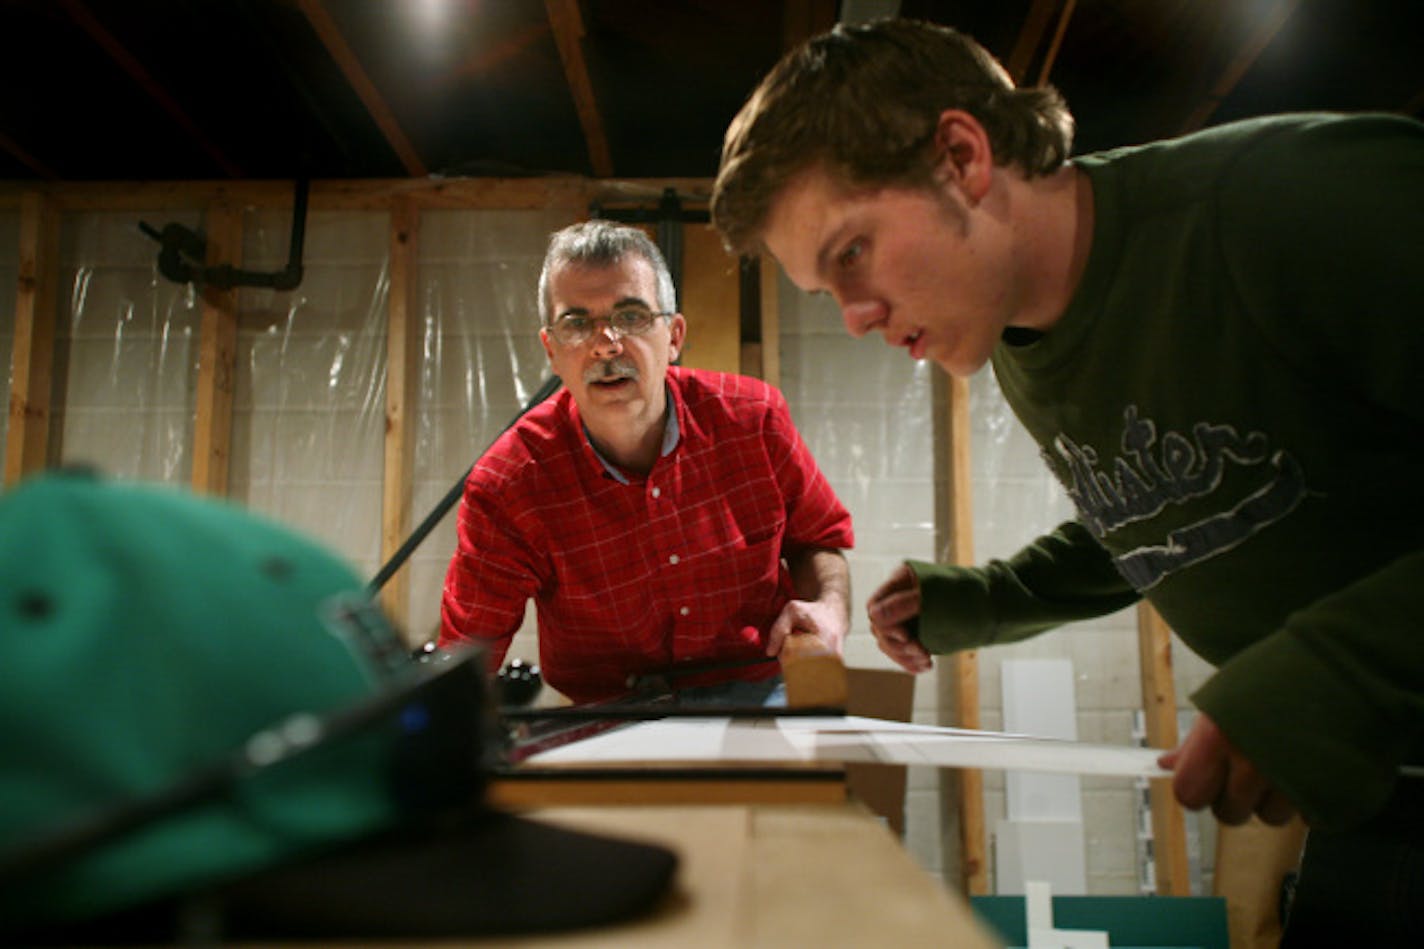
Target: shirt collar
671	433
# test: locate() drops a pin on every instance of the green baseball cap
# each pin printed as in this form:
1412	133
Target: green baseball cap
193	697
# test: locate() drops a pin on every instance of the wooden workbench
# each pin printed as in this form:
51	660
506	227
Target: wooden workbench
774	876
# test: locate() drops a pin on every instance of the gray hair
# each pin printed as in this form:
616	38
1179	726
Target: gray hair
602	244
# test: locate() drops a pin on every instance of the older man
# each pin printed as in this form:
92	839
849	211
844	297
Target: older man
664	520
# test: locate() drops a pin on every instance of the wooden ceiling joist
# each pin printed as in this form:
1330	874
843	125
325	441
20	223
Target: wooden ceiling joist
1055	44
13	149
1041	17
1251	48
349	194
567	24
130	64
350	66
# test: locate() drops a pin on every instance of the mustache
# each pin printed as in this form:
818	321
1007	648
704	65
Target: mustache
610	370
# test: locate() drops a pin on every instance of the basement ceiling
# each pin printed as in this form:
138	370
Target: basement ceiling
283	89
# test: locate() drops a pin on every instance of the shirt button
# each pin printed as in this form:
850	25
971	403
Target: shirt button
672	559
684	611
657	492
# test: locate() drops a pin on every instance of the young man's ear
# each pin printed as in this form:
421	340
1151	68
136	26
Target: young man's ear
966	160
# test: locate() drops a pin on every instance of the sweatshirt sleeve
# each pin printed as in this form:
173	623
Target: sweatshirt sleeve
1061	577
1350	675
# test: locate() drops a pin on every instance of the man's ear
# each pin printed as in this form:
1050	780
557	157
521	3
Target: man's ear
965	157
548	346
677	332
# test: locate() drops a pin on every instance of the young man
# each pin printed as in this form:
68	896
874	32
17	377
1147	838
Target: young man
1216	342
664	520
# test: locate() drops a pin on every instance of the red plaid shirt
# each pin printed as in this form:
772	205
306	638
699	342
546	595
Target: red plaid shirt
685	565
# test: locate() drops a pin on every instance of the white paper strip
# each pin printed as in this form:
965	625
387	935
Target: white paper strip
847	739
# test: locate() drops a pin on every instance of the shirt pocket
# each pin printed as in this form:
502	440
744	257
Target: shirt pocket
739	585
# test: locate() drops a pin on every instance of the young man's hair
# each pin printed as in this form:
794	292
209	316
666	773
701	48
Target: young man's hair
864	102
600	243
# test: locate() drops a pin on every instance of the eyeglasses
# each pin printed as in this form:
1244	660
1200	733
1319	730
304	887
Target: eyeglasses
575	329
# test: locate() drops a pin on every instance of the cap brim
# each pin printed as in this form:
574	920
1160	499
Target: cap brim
483	873
488	873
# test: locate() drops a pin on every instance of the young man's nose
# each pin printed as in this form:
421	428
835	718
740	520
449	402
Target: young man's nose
861	316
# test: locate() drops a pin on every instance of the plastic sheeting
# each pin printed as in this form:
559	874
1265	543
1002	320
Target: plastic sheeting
309	397
481	361
310	404
309	412
126	354
309	394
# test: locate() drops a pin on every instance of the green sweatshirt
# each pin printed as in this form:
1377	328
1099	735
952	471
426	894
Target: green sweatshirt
1234	401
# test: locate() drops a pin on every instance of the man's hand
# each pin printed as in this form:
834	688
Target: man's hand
890	608
1210	771
821	581
824	619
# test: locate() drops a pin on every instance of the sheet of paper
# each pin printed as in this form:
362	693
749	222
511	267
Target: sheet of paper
848	739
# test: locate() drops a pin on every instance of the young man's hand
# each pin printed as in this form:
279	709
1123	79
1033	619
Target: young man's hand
890	608
1210	771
